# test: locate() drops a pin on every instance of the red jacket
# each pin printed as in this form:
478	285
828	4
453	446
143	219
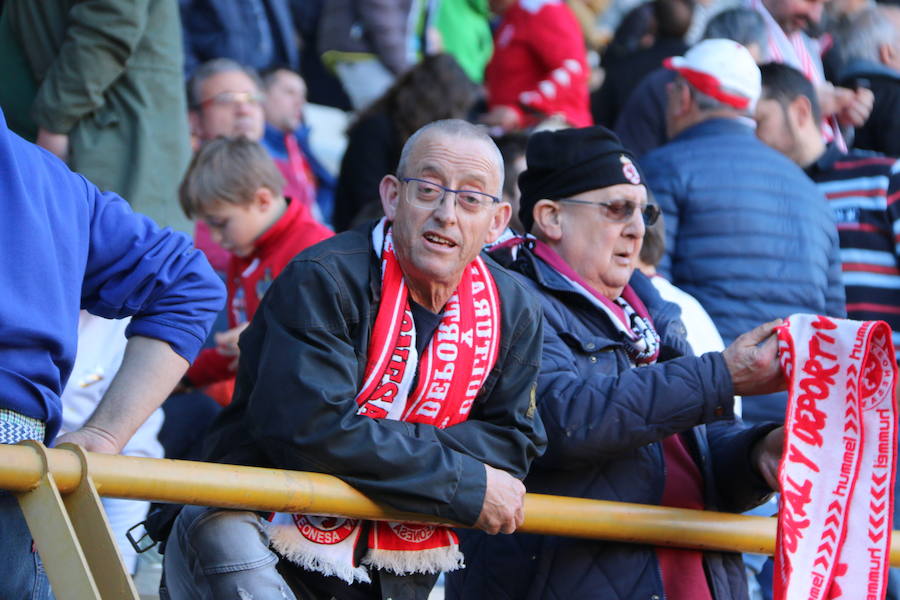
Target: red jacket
540	63
249	277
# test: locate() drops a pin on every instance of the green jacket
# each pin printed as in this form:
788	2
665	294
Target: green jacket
466	34
109	74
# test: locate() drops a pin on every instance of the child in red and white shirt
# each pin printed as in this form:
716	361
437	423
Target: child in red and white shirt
236	189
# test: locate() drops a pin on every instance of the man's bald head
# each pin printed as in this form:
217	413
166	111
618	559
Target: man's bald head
451	128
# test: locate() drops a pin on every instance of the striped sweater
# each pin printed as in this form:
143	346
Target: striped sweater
863	190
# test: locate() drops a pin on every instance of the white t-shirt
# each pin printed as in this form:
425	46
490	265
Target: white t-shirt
101	347
702	334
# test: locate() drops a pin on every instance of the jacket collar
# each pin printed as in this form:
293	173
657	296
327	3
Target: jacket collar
365	229
550	279
718	126
295	216
274	137
825	162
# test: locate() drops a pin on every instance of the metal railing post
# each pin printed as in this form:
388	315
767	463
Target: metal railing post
73	536
55	537
97	539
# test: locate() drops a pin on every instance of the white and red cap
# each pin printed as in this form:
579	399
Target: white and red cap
721	69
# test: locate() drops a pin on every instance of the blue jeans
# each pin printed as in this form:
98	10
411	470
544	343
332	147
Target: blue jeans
22	574
216	554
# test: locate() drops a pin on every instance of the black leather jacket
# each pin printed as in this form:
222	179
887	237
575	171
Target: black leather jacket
302	362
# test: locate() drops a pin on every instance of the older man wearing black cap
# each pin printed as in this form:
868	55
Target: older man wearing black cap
630	414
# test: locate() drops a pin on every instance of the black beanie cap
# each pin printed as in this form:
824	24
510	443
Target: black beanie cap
566	162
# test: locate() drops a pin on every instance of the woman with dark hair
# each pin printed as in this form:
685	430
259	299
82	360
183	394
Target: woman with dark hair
636	31
436	88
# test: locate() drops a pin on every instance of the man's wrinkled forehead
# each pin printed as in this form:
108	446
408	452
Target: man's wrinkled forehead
450	155
228	81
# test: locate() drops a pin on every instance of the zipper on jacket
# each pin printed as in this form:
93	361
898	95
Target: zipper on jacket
662	459
662	594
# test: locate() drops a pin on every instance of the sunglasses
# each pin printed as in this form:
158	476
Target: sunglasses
620	211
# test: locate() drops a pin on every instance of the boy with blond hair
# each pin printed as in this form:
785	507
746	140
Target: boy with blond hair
235	188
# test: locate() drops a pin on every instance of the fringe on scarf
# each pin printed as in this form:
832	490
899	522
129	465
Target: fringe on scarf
287	542
432	560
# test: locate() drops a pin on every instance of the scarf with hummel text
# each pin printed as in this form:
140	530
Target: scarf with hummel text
839	461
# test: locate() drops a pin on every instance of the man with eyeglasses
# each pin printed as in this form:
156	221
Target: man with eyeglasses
225	99
397	358
630	414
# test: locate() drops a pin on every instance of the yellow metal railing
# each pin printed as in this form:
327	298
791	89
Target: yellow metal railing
36	474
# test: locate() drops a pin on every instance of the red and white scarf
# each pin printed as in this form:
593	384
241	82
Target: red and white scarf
451	372
627	312
839	463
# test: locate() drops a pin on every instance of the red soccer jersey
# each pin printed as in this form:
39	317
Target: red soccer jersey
539	66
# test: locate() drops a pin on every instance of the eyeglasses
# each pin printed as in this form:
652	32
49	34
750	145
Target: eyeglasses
427	194
620	211
228	99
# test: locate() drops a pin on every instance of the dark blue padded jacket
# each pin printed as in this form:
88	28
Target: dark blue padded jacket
747	233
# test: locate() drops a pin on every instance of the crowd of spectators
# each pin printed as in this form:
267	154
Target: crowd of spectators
760	140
